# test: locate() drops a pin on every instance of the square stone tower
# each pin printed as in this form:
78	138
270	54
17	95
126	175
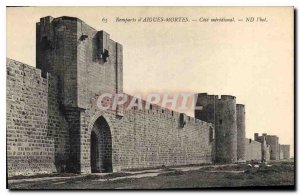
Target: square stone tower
85	60
87	63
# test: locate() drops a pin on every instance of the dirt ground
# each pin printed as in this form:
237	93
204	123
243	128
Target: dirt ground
274	175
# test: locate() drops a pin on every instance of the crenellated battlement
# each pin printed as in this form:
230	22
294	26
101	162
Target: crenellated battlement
165	113
18	68
227	97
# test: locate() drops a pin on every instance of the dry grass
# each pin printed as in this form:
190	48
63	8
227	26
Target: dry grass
280	174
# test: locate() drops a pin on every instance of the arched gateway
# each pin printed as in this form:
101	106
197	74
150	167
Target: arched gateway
101	147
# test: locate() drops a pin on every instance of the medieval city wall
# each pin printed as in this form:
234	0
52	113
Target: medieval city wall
37	135
140	138
151	138
42	138
253	150
284	152
55	125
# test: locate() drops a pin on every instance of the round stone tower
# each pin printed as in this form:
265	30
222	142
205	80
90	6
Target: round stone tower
240	124
222	113
226	130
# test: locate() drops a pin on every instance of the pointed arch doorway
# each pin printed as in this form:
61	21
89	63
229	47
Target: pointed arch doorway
101	147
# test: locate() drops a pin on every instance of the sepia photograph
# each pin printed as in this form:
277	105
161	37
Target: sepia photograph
150	98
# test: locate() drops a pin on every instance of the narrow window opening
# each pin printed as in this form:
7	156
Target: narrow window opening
211	134
181	120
